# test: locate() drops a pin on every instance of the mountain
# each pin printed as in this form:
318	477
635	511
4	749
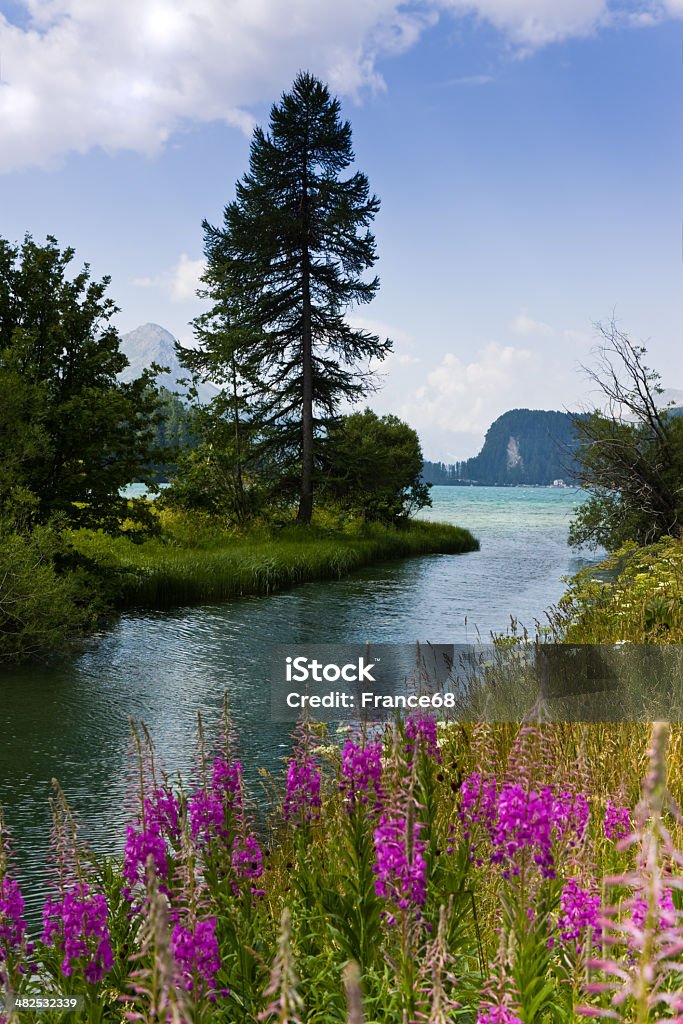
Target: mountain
671	397
149	344
523	446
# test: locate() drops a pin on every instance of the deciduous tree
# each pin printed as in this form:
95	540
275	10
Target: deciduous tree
373	466
71	434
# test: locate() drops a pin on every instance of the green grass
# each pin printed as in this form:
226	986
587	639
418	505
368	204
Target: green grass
194	561
639	601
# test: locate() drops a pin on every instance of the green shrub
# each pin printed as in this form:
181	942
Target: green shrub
637	597
42	608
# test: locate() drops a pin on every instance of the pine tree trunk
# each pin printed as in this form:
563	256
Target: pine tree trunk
240	507
306	498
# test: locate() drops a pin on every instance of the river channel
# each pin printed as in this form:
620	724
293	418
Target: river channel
71	720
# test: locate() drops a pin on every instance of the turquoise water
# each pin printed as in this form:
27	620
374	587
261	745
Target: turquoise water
71	720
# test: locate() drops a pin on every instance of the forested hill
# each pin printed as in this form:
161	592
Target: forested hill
523	446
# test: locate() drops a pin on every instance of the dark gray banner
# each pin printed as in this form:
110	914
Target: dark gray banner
472	682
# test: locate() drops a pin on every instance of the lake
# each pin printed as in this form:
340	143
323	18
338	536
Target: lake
71	720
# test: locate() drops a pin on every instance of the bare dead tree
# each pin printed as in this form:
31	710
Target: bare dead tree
630	452
625	380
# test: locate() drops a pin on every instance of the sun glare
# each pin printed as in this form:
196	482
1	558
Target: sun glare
163	24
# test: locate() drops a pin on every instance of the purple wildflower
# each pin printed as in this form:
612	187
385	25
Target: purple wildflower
498	1002
524	821
421	731
492	1013
477	801
139	846
160	825
207	816
617	821
571	813
666	912
401	868
77	926
14	949
12	923
302	797
211	810
580	909
361	772
519	819
166	811
196	954
226	780
247	859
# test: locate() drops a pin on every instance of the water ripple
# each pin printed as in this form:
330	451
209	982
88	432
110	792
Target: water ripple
71	721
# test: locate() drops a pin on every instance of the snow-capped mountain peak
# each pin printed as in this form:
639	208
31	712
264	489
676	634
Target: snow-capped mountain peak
151	343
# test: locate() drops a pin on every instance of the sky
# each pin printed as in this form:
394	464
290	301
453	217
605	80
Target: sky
528	155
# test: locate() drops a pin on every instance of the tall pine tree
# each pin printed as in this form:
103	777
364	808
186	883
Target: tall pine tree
287	265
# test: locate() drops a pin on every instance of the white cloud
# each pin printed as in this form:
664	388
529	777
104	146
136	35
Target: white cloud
185	280
579	339
179	282
527	327
400	337
644	19
530	24
457	395
127	74
533	23
147	282
452	404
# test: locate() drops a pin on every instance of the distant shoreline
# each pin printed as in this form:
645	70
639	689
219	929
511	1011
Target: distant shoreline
479	483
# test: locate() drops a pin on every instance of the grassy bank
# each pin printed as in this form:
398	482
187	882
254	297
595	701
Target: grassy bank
640	600
436	873
192	562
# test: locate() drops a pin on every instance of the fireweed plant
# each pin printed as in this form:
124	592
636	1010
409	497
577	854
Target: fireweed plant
15	949
418	873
